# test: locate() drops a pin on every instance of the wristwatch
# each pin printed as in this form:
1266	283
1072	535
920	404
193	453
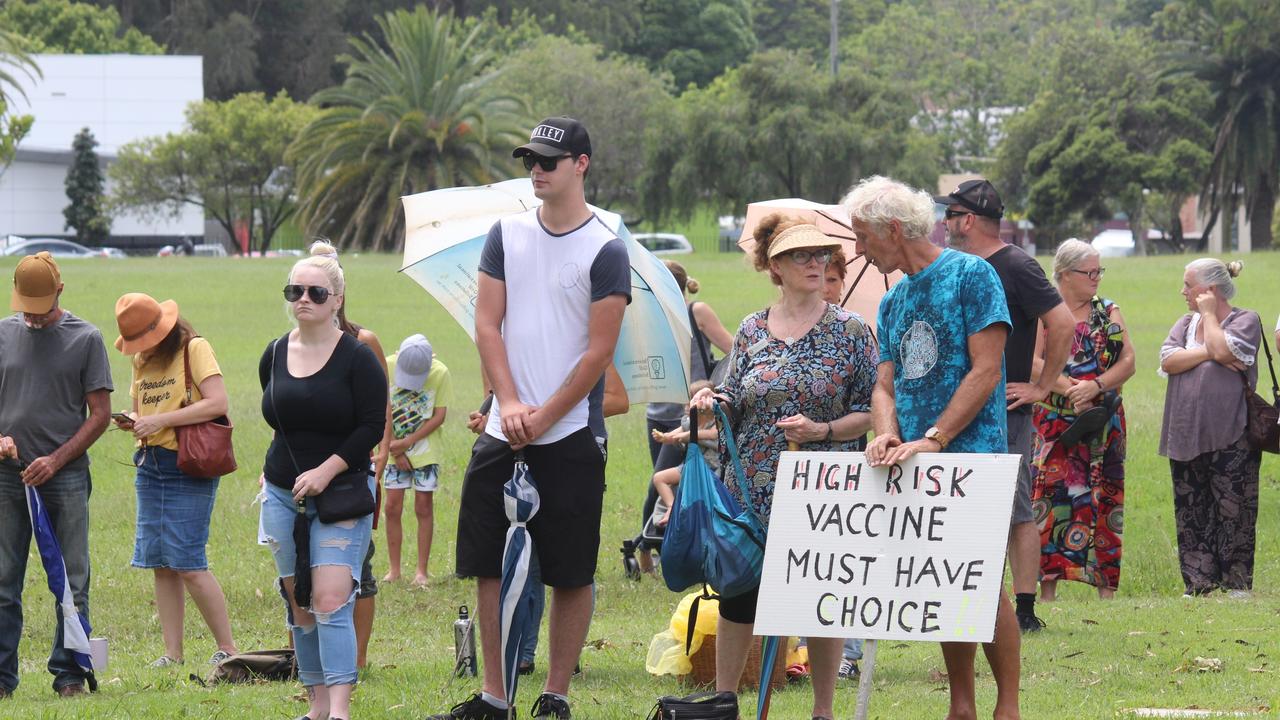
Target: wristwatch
937	436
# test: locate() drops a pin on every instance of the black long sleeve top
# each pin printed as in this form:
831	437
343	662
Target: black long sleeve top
340	410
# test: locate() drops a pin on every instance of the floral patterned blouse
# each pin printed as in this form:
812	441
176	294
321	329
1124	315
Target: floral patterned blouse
826	374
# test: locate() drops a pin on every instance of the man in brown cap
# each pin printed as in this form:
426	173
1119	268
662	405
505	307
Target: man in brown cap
55	401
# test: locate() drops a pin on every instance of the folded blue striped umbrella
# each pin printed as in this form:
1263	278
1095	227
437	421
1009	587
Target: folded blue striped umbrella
75	626
514	597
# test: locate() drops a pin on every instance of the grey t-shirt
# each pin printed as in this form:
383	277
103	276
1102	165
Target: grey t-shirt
44	377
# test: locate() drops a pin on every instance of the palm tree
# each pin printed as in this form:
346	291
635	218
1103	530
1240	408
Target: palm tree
1236	52
419	114
13	60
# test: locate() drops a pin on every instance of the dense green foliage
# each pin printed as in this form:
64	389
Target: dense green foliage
422	114
1080	110
86	211
230	160
75	28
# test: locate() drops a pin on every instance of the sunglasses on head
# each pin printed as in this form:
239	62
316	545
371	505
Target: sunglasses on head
802	257
548	164
319	295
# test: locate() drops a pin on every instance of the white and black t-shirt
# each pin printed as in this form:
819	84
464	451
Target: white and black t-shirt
551	281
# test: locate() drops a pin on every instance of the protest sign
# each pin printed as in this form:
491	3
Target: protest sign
907	552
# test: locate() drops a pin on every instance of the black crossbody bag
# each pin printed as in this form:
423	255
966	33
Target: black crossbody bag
347	497
699	706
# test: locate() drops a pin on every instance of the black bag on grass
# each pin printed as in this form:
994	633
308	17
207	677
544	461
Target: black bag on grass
699	706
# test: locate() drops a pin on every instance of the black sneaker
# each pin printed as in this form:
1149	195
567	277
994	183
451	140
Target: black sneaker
550	706
1029	623
473	708
848	669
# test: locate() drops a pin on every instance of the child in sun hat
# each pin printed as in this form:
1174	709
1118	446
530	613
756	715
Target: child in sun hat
420	394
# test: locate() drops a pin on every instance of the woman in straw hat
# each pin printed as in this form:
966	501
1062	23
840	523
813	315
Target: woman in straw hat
173	507
802	372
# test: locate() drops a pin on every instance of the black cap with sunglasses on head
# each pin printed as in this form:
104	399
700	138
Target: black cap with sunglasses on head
979	196
555	137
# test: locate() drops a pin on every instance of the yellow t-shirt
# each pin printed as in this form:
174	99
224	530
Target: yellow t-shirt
157	390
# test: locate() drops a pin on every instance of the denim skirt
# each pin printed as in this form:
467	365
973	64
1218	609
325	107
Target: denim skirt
173	513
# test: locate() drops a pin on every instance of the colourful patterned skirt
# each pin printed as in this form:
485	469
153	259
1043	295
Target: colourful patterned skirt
1078	498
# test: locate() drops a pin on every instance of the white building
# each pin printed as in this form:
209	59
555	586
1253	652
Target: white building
120	98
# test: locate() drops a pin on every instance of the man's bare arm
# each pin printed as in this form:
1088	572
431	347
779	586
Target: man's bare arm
986	353
1060	328
42	469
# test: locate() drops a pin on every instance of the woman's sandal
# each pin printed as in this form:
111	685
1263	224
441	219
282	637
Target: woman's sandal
1086	425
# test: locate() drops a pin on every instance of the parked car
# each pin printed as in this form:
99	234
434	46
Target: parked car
664	243
60	249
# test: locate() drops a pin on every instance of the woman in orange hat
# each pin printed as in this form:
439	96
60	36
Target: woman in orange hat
173	507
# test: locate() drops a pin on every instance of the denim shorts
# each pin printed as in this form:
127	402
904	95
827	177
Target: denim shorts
173	513
341	543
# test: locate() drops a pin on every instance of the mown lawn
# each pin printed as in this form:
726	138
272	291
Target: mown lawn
1094	660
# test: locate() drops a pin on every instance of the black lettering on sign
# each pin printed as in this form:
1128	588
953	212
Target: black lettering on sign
957	479
891	485
799	561
800	475
853	477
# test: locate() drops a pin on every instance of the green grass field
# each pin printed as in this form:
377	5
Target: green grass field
1095	660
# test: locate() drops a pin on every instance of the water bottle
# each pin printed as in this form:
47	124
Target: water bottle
464	643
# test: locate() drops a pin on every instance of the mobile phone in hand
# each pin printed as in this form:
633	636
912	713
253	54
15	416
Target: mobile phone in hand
122	418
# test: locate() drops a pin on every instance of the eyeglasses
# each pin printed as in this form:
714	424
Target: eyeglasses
1092	274
319	295
949	214
802	257
548	164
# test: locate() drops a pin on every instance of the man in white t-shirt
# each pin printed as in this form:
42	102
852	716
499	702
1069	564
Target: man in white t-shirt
553	285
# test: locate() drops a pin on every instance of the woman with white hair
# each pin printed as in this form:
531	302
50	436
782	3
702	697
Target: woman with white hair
1209	358
1077	467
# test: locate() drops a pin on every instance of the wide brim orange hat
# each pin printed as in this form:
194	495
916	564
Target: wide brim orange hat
143	322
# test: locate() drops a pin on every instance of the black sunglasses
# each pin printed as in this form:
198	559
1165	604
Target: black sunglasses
548	164
319	295
949	214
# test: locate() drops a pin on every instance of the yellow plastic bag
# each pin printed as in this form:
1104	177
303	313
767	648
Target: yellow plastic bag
666	650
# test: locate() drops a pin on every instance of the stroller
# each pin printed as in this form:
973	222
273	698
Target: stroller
649	540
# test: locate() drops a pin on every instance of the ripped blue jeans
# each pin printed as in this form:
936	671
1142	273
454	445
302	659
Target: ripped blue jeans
326	651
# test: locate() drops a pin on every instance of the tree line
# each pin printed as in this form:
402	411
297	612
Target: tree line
325	113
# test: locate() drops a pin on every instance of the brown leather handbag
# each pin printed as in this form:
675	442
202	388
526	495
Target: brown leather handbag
204	449
1261	417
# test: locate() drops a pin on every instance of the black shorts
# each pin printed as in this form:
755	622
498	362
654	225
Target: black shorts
569	474
740	608
368	583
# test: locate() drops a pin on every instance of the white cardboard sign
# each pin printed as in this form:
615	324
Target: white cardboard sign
907	552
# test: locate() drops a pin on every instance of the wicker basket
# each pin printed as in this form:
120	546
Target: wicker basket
704	666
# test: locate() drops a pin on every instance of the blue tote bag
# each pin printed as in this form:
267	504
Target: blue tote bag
710	539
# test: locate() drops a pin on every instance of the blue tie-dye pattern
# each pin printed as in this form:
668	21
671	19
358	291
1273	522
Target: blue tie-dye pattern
925	322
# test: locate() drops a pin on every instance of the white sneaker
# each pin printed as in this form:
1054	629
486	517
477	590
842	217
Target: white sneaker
1239	594
165	661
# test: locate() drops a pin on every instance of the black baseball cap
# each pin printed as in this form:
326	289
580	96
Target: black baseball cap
556	136
980	196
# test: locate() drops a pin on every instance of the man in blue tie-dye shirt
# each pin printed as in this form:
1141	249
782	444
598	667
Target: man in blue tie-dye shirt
940	384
